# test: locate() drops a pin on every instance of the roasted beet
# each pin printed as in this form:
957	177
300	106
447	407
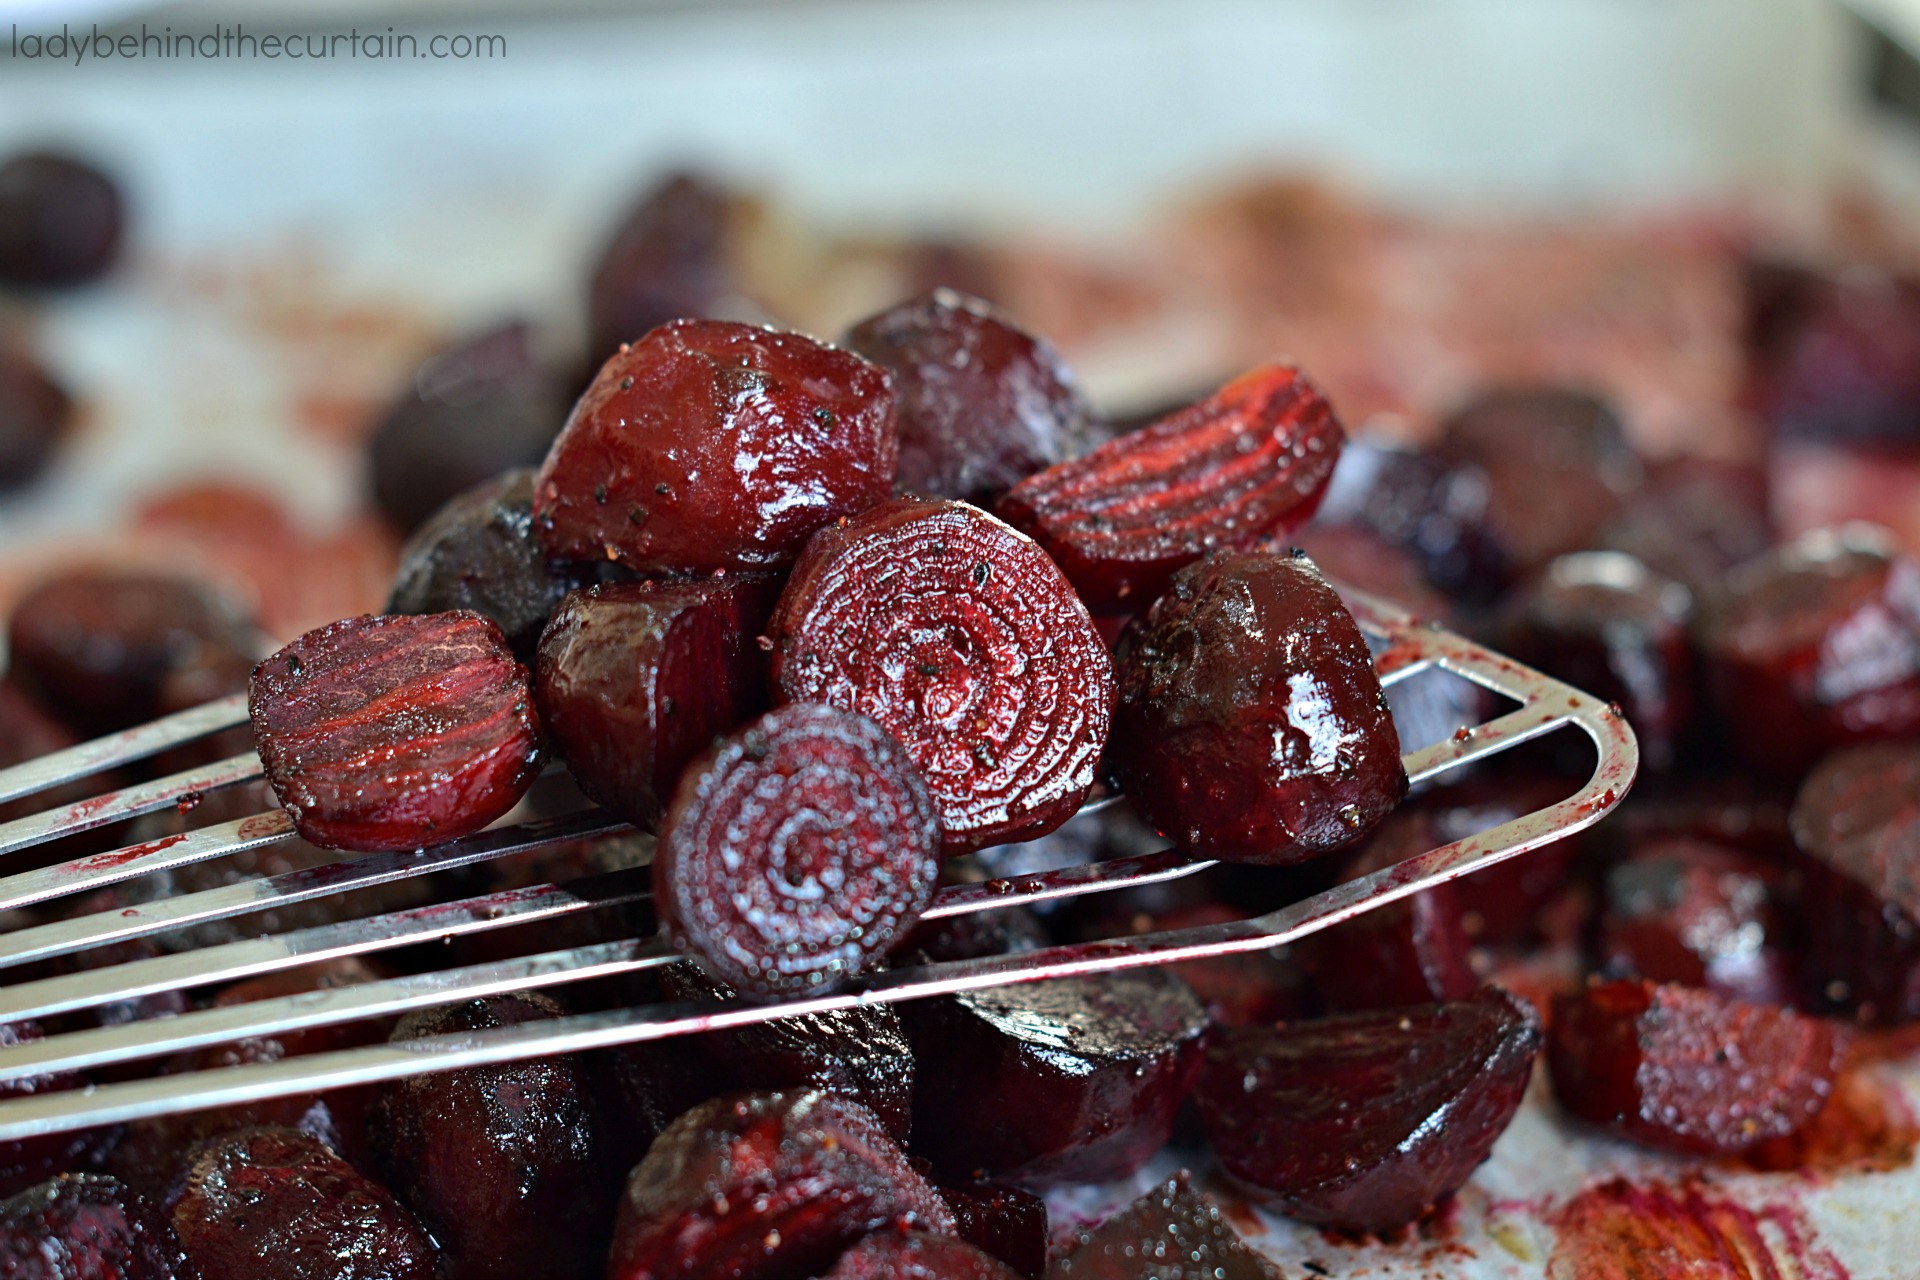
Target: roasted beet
396	732
1074	1079
797	852
1006	1222
1250	723
667	259
1171	1233
1701	914
26	1161
1686	1070
81	1226
713	445
635	680
275	1202
1250	461
34	414
1835	358
60	220
982	403
1815	645
961	639
481	407
1431	508
478	552
765	1187
1364	1122
915	1255
98	646
1695	520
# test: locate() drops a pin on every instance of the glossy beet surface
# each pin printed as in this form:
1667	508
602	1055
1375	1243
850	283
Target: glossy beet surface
1172	1233
61	220
1006	1222
713	445
915	1255
982	403
34	414
798	852
81	1226
1074	1079
1250	723
1686	1070
1364	1122
275	1202
765	1187
504	1164
960	638
1249	461
636	679
396	732
1701	914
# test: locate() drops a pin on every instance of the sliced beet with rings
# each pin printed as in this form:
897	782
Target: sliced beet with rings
1172	1233
962	640
1007	1222
1366	1121
1250	461
915	1255
83	1226
797	852
396	732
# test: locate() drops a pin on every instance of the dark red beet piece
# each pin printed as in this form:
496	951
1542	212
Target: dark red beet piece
1250	723
1075	1079
1700	914
1835	358
765	1187
82	1226
97	647
275	1202
1006	1222
1695	520
915	1255
961	639
34	414
1366	1121
26	1161
1686	1070
502	1163
1814	646
667	259
714	445
1171	1233
636	679
797	852
396	732
1431	508
1250	461
60	220
982	403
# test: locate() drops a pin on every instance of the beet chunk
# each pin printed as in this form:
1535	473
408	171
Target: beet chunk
60	220
98	647
961	639
478	553
1364	1122
1835	358
274	1202
26	1161
1695	520
765	1187
636	679
396	732
714	445
797	852
1171	1233
982	403
1249	461
1814	646
1701	914
915	1255
667	259
1251	725
1687	1070
82	1226
1006	1222
34	414
1075	1079
1433	509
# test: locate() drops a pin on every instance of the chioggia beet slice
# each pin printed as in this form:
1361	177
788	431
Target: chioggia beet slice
1251	460
915	1255
84	1226
714	445
1250	723
1364	1122
1006	1222
396	732
766	1186
636	679
1172	1233
1683	1069
1070	1080
962	640
797	852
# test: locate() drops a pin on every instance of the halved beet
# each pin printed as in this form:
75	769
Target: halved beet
915	1255
82	1226
713	445
982	403
1070	1080
1172	1233
963	641
1701	914
797	852
1249	461
1006	1222
766	1187
1686	1070
396	732
1251	725
1366	1121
